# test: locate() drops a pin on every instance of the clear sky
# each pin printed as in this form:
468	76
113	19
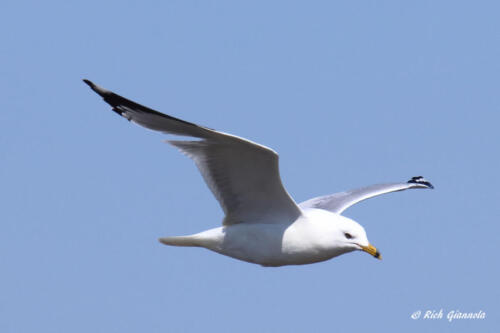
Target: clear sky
350	93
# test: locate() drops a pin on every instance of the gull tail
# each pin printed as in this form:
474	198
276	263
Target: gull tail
180	241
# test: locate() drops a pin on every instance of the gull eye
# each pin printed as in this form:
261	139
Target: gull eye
347	235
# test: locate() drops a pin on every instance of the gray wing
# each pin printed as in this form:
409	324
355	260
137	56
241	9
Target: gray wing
242	175
339	202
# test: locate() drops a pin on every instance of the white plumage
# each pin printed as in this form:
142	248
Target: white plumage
262	223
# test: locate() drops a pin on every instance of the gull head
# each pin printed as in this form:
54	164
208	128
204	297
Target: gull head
351	236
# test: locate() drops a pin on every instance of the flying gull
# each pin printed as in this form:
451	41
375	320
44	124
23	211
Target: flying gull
262	223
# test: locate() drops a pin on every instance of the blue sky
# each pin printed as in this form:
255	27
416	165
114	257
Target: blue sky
349	93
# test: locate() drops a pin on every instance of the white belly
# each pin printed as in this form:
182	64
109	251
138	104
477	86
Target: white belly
269	244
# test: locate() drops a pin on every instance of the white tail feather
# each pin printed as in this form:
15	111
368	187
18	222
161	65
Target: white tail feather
180	241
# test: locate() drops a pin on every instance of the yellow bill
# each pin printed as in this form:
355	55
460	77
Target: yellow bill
372	250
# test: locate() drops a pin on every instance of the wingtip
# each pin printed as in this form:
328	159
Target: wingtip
101	91
419	180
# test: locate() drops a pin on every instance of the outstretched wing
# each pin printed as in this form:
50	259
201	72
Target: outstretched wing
339	202
243	175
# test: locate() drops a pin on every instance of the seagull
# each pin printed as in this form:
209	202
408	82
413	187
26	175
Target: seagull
262	224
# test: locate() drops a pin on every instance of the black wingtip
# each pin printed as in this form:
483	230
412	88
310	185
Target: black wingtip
421	181
101	91
88	82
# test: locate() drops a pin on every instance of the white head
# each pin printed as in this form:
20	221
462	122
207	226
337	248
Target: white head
351	236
